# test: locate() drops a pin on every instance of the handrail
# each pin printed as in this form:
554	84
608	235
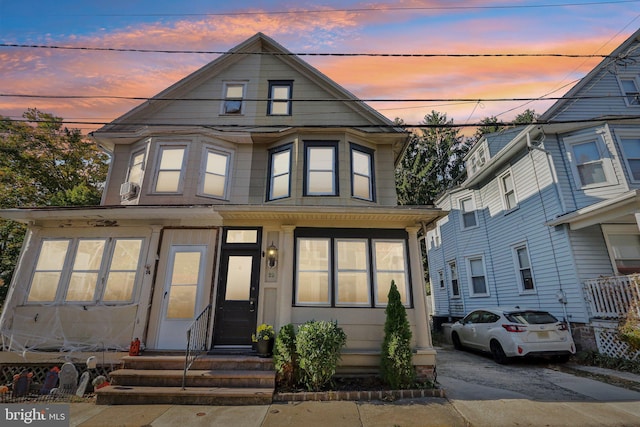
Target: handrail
196	340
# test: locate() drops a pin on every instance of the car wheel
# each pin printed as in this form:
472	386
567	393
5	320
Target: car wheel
498	353
456	341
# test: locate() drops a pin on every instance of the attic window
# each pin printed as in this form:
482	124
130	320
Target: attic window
280	98
233	98
630	89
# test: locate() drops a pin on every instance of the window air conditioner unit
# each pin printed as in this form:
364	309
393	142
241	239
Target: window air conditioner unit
128	190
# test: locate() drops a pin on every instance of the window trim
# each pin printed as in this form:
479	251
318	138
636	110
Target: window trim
636	80
472	293
454	295
203	172
601	146
134	154
157	170
371	237
272	152
461	200
518	268
503	191
335	171
225	98
370	153
103	272
271	100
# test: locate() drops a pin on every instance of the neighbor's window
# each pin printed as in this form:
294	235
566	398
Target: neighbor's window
169	175
589	163
233	98
136	167
478	281
523	268
631	150
631	92
349	271
468	213
216	174
86	270
453	274
321	161
361	173
280	173
508	189
441	278
625	250
280	98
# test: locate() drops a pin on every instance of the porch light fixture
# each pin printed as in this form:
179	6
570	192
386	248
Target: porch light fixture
272	255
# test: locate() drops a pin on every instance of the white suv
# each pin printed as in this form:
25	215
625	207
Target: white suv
514	332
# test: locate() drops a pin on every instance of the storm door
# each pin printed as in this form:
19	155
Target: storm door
237	296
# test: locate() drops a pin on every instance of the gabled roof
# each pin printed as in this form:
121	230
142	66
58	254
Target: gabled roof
257	44
621	52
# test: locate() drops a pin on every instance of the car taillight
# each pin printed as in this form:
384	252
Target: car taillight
514	328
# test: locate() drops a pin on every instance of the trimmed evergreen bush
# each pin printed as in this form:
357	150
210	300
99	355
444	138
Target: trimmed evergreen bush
285	357
318	345
396	366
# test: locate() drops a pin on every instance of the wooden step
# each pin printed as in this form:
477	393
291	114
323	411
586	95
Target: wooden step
204	362
195	378
125	395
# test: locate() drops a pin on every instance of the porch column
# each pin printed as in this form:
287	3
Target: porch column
637	220
144	303
423	339
286	276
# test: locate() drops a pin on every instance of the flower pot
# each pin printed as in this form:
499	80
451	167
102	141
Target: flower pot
264	348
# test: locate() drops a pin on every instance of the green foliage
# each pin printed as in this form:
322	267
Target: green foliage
42	163
593	358
396	359
318	345
432	161
285	357
629	328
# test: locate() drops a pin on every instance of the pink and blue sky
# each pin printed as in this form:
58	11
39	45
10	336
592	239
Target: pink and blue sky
583	27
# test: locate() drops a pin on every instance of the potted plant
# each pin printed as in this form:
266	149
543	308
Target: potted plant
264	338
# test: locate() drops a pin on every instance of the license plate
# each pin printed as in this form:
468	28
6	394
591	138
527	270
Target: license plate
543	334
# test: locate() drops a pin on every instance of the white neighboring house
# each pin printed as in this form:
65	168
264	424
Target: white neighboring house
228	192
548	216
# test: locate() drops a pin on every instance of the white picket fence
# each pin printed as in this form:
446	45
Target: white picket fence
612	297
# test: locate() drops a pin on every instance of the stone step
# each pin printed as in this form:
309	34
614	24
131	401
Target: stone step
126	395
195	378
204	362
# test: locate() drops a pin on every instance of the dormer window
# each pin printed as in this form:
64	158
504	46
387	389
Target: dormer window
280	98
233	98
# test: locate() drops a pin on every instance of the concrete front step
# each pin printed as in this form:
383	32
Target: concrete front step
195	378
204	362
125	395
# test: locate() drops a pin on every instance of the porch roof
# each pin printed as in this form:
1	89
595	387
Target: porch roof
619	210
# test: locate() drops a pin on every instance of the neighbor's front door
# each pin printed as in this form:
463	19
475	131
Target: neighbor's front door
182	294
237	296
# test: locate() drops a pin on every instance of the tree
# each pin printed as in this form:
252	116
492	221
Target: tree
491	124
396	360
43	163
432	162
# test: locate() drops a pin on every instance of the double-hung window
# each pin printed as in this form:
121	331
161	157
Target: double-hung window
349	268
523	268
591	165
233	103
169	175
630	89
215	176
279	186
468	213
86	270
631	150
508	190
280	92
321	160
362	173
136	167
453	276
477	276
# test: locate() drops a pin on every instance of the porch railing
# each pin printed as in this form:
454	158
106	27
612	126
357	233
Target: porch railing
613	297
196	340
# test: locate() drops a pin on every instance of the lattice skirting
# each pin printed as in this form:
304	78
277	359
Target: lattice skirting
610	345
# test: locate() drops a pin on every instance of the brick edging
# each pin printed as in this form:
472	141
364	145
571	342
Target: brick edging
384	395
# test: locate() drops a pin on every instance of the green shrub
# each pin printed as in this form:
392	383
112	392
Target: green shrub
285	357
629	328
396	364
318	344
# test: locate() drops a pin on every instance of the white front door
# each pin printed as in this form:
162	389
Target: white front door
182	295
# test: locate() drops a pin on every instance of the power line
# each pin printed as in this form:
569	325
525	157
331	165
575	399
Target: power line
392	55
